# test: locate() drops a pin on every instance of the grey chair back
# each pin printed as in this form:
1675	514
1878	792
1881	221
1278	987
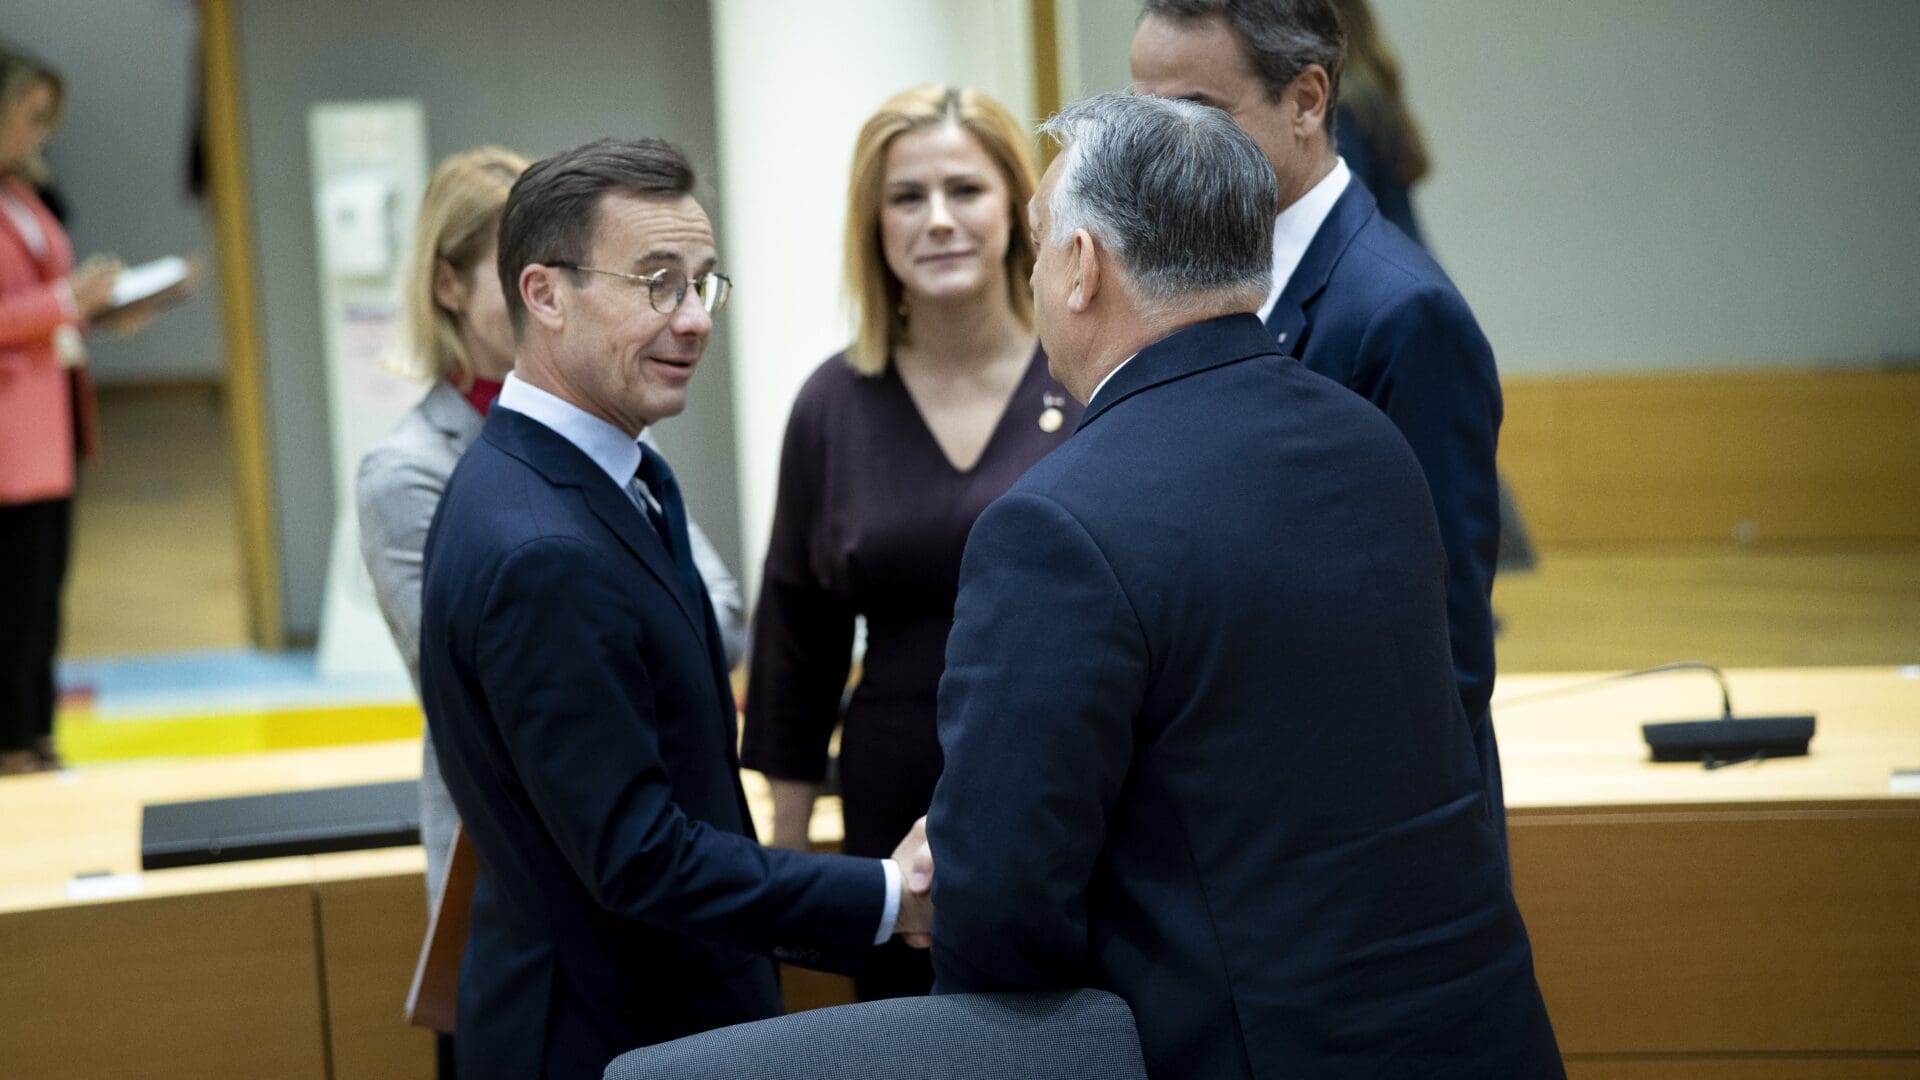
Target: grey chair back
1068	1035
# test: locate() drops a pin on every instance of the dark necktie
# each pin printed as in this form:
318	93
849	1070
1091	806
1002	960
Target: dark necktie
670	520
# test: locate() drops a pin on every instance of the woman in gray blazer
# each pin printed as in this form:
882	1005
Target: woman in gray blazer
458	338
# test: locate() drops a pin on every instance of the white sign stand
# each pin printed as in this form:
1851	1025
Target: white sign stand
369	170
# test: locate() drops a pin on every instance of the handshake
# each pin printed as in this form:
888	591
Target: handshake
914	857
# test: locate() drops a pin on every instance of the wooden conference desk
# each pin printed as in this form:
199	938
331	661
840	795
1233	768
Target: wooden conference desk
294	967
272	968
1756	921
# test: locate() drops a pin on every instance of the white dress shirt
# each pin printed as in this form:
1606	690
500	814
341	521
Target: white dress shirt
616	452
618	455
1108	379
1298	224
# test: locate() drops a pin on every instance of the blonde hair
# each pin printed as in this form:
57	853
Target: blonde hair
875	293
459	219
19	73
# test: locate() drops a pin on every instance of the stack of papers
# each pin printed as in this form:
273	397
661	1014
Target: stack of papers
148	280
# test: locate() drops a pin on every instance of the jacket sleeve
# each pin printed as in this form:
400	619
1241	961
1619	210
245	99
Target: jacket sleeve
558	651
29	316
802	631
1047	667
31	309
395	497
1442	391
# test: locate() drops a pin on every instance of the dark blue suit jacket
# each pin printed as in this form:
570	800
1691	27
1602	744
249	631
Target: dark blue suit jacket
1374	157
584	725
1203	745
1370	310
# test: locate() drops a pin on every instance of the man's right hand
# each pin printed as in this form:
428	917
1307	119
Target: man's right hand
915	858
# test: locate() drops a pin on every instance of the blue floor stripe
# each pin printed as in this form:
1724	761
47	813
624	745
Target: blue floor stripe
130	687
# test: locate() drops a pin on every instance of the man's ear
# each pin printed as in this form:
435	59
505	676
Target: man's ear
448	290
540	295
1086	272
1309	92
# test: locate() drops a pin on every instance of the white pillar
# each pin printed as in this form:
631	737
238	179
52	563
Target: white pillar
794	82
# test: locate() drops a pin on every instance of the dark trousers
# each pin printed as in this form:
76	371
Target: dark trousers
443	1056
894	970
34	539
889	763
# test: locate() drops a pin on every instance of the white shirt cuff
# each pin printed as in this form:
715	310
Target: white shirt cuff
890	913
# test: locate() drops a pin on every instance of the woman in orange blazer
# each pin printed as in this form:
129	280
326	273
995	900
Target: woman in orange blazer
46	409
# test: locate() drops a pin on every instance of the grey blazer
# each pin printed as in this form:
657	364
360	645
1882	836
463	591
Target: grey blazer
396	491
1064	1035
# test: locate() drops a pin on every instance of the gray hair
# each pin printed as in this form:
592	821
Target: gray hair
1279	39
1177	191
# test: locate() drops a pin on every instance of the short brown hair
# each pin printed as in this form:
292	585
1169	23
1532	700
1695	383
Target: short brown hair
874	290
552	210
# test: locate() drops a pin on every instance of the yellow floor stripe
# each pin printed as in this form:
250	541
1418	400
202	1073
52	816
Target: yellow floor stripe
84	739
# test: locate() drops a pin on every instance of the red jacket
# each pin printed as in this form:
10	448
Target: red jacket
46	410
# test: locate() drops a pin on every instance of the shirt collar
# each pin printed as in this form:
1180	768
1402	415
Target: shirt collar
1295	228
612	449
1108	379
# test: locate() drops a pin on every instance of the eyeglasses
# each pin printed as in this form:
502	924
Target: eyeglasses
667	289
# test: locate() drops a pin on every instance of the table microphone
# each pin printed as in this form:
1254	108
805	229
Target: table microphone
1727	740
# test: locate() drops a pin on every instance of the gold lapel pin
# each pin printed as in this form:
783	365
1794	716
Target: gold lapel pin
1051	417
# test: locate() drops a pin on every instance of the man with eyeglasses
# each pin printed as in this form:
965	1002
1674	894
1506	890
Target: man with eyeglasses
571	665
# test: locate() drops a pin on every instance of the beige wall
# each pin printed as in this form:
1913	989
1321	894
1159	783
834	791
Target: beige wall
537	78
121	160
1648	185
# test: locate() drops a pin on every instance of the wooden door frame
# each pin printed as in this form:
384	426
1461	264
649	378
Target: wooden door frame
229	194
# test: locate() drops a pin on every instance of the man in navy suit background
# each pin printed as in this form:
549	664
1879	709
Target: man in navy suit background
1352	297
572	669
1203	742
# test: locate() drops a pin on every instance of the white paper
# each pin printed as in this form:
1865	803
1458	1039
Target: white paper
139	282
1905	782
357	210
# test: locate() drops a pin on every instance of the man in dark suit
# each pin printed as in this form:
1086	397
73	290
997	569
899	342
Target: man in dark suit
1352	298
1203	746
571	665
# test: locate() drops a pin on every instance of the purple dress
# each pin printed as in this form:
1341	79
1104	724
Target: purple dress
871	520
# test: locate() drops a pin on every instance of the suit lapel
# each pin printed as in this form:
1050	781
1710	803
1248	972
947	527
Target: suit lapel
563	464
58	257
1290	320
1287	326
630	524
